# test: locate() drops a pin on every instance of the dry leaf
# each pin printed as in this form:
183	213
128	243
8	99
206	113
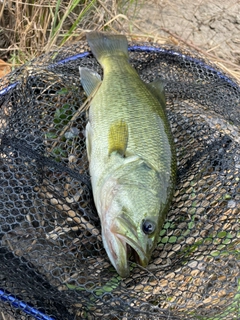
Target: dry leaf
4	68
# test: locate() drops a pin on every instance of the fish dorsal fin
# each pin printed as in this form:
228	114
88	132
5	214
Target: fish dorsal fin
118	138
157	89
90	80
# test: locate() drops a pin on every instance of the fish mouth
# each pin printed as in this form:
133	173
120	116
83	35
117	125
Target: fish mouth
121	242
133	250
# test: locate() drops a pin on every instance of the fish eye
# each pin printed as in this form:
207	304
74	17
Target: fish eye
148	226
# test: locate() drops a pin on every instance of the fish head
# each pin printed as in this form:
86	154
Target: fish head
131	230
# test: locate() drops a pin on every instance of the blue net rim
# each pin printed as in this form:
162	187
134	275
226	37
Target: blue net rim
136	48
25	307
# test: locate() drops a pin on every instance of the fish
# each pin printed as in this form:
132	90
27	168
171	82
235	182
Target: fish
130	150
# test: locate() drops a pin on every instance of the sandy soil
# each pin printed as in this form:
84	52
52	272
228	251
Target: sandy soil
213	26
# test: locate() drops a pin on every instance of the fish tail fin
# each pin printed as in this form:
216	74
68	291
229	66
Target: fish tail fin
105	44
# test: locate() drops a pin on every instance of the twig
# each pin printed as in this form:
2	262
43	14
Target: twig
198	49
115	18
59	231
82	108
111	14
81	222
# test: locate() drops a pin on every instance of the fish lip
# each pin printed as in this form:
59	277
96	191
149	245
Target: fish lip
121	265
117	243
121	227
140	254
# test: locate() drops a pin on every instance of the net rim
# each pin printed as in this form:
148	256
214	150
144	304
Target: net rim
140	48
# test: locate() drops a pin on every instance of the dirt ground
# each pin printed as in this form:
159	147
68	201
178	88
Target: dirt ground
212	26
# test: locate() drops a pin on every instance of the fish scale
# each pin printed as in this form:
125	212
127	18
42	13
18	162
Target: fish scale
112	97
130	151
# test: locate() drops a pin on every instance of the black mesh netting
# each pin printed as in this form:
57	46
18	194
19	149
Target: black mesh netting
52	262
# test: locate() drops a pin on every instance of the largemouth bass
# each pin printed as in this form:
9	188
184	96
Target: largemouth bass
130	151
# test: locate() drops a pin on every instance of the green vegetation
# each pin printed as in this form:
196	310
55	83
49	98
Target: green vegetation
34	27
232	310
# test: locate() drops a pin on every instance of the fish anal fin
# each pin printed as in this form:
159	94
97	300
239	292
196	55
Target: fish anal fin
90	80
118	138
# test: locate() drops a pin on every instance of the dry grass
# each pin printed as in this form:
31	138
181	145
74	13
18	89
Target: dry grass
4	316
232	68
29	28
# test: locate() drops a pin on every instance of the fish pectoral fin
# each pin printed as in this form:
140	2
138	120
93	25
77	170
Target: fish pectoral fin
157	89
90	80
118	138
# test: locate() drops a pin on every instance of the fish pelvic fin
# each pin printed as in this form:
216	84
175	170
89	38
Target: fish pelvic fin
157	89
118	138
105	44
90	80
